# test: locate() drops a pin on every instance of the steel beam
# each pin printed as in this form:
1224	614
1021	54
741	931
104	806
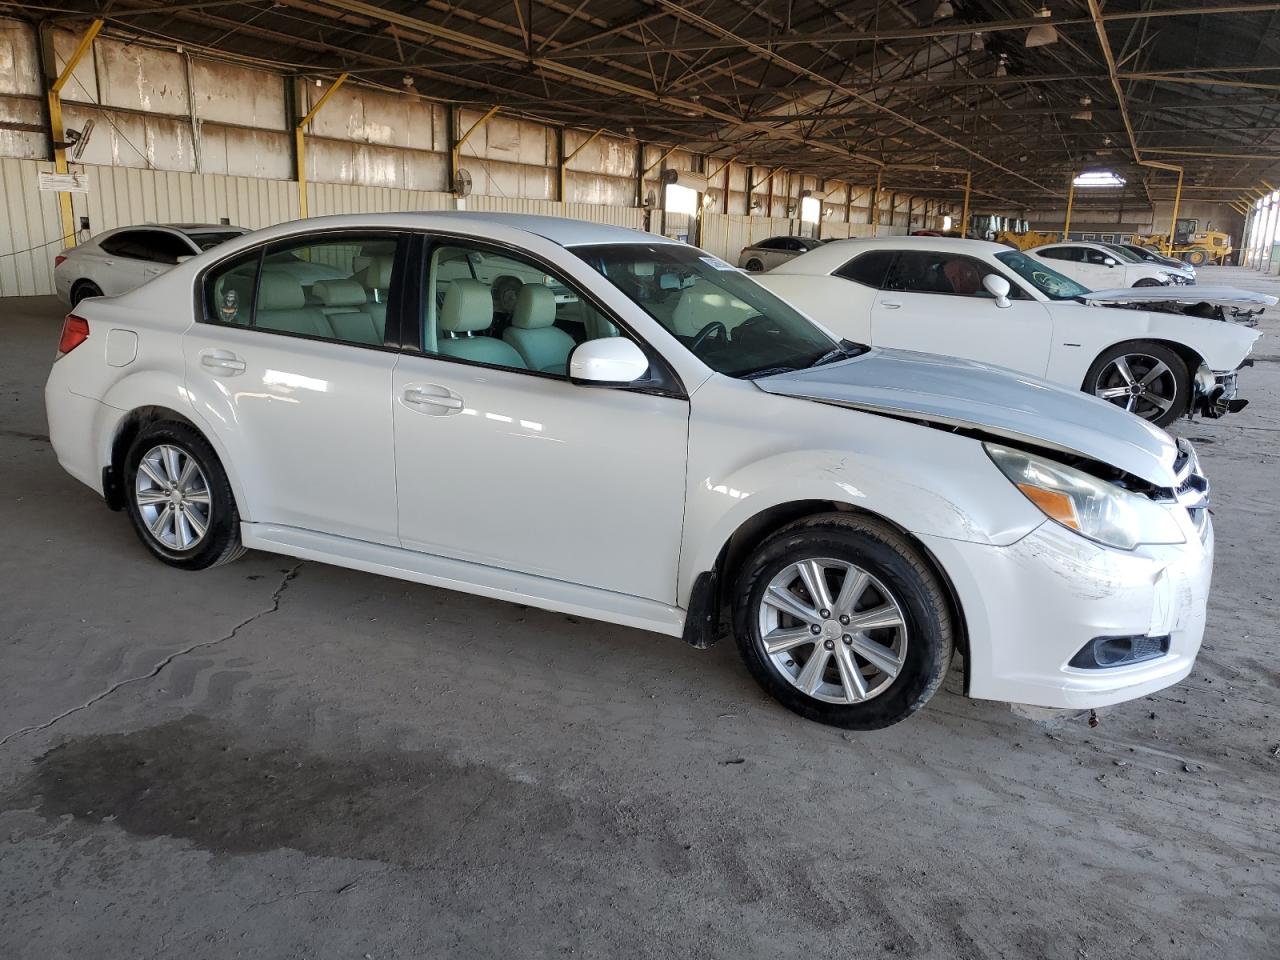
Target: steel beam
57	129
300	145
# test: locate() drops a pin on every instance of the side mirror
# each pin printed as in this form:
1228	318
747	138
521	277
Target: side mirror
609	361
1111	263
998	287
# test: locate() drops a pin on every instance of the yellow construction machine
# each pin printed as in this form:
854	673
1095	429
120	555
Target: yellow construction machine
1025	241
1190	244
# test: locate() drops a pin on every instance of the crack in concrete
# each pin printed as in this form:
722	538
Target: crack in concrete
276	596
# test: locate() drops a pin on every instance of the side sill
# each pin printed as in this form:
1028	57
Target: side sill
465	577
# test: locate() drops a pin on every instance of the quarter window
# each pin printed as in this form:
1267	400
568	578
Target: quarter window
868	269
332	288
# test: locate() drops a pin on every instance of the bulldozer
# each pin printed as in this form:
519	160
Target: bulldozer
1025	241
1190	244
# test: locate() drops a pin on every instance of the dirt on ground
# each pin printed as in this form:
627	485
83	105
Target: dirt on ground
277	759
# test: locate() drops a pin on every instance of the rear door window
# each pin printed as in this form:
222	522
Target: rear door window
868	269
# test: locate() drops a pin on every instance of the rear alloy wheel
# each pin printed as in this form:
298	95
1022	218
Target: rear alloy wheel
842	621
83	290
179	498
755	266
1147	379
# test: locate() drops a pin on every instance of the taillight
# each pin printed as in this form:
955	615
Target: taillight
59	260
75	331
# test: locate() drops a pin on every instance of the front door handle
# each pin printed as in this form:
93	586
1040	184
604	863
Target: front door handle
890	304
222	362
433	399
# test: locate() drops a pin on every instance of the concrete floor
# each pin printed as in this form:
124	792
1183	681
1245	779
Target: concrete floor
282	760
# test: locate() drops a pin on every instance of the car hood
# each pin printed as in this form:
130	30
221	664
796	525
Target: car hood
992	400
1175	294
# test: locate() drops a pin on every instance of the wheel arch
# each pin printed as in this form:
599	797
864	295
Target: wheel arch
127	429
718	583
1189	355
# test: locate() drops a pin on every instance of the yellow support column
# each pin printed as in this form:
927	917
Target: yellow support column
1173	219
964	217
455	155
564	163
873	214
1071	199
300	144
58	133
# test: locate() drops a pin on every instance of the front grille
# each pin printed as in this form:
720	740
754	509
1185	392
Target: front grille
1191	488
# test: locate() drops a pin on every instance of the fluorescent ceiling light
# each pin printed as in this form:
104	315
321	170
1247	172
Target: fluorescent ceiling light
1099	178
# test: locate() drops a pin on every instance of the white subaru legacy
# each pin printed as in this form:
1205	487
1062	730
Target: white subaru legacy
670	447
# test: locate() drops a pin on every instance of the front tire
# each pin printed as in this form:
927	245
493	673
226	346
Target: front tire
1148	282
179	499
882	648
1146	378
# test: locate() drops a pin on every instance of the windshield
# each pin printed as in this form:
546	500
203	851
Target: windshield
726	319
1128	256
1044	278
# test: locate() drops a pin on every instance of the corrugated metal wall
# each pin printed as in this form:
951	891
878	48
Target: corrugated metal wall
120	196
725	234
30	239
593	212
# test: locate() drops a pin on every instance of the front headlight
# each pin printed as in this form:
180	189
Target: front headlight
1091	507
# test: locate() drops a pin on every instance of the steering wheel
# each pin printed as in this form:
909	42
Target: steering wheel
715	326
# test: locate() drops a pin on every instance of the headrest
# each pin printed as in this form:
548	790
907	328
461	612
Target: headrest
468	306
535	307
278	290
339	293
377	275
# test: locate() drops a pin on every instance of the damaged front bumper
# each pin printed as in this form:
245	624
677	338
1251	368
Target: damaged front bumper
1214	393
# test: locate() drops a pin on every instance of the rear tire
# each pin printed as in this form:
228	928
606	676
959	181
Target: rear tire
1168	380
83	290
179	499
868	676
754	266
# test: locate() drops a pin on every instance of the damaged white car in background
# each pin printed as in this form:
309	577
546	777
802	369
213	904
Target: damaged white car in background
1168	355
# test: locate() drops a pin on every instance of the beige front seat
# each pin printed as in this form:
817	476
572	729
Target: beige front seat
375	278
468	307
541	344
704	302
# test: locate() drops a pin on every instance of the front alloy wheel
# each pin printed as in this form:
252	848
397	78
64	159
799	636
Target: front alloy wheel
843	620
1149	380
833	630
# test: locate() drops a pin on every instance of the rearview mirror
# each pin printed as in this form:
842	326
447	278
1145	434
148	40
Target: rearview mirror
609	361
998	287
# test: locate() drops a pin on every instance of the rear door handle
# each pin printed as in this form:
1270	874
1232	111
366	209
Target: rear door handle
433	399
890	304
222	362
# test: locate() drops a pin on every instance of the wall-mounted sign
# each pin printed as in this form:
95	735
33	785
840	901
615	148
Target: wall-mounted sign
64	183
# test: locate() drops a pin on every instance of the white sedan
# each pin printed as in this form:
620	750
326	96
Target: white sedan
986	302
118	260
673	449
1103	266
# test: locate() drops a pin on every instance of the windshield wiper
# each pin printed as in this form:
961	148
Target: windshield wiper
846	350
765	372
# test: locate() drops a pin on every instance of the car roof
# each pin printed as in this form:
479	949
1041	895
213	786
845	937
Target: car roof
202	227
559	230
833	254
